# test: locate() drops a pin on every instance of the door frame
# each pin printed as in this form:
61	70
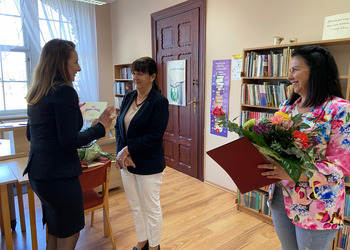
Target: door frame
172	11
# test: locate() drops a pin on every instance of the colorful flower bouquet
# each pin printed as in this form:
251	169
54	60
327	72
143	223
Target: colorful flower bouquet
280	140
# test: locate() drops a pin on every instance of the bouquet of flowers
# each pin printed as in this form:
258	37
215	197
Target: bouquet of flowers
283	139
89	154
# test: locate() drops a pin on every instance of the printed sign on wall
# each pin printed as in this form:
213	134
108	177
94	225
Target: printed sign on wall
220	87
176	81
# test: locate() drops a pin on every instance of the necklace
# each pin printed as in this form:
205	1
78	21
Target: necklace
138	105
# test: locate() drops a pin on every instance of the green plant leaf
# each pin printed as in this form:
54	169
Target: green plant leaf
257	139
292	168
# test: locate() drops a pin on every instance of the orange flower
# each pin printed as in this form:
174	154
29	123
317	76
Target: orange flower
301	138
276	119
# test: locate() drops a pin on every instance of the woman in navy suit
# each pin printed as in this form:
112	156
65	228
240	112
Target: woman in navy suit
140	127
54	122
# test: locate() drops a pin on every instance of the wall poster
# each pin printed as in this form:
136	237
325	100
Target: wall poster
220	87
236	68
176	81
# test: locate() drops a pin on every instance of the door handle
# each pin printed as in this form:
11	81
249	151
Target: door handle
194	102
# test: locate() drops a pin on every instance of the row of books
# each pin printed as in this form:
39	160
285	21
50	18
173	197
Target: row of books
347	204
343	240
125	73
266	94
256	200
247	115
269	64
121	88
118	102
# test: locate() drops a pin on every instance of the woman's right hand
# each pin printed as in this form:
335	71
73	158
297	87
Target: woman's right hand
107	117
128	162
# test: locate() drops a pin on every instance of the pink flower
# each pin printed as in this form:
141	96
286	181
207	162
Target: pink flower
218	112
337	124
276	119
286	125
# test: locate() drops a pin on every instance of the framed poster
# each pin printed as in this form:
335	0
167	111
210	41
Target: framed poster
176	82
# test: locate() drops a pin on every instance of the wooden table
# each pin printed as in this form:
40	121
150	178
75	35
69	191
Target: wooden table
17	167
6	177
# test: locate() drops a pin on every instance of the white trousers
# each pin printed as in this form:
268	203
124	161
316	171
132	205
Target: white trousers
142	193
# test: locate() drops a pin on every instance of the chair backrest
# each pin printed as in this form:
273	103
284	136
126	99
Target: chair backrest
94	177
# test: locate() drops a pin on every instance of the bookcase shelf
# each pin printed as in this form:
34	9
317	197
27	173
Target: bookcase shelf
252	79
123	83
255	213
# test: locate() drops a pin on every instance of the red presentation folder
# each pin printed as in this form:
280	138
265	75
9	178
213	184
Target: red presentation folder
240	159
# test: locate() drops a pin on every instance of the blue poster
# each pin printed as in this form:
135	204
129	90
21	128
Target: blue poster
220	90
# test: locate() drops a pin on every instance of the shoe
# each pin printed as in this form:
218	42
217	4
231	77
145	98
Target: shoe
13	224
145	247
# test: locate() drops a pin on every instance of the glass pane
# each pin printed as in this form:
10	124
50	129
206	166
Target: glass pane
8	7
2	101
49	30
14	66
15	93
12	27
0	70
46	12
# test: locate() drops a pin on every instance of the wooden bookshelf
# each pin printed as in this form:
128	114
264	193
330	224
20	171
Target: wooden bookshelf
123	79
255	213
340	49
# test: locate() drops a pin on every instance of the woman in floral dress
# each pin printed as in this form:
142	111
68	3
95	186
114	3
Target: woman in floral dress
307	214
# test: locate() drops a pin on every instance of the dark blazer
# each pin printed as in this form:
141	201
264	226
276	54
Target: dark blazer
145	133
53	131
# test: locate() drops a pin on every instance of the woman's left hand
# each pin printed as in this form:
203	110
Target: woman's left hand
275	172
121	156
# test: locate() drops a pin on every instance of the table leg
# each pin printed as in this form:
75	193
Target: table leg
1	220
20	206
6	216
32	217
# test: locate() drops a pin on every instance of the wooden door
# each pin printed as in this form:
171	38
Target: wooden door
177	32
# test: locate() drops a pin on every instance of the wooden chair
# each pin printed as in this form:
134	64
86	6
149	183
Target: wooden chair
90	179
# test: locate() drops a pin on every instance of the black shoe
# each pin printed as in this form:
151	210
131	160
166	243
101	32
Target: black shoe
13	224
145	247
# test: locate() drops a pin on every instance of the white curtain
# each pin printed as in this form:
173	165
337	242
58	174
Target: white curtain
69	20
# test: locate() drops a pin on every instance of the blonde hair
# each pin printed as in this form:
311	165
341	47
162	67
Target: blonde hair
52	69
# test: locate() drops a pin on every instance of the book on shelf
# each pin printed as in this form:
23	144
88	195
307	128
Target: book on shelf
256	200
121	88
125	72
128	86
118	102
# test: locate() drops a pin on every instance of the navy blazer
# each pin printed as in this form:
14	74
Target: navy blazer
145	133
53	131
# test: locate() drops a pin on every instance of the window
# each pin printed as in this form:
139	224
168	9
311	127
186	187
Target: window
25	26
13	60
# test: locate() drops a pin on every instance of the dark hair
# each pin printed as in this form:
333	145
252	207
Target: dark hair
51	69
146	65
323	80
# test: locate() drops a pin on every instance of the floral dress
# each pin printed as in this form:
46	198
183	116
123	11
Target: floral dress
323	207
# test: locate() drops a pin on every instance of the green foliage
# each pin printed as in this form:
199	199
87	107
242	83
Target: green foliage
93	153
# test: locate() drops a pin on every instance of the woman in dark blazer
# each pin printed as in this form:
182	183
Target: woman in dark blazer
54	122
140	127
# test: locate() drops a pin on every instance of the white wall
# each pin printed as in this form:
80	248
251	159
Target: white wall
231	26
104	55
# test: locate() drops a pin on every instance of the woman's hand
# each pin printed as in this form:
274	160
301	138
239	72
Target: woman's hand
122	158
274	172
277	172
128	162
107	117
